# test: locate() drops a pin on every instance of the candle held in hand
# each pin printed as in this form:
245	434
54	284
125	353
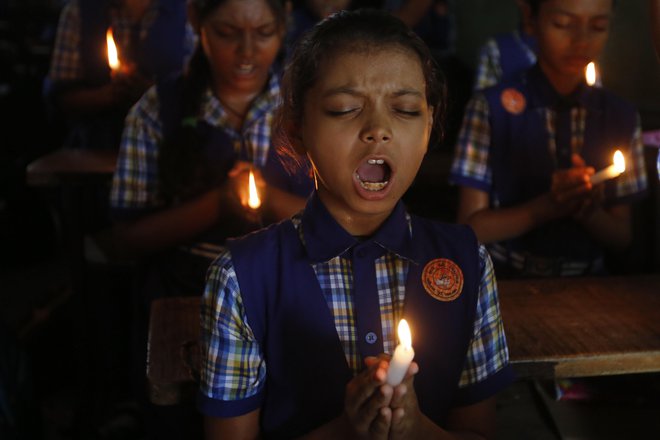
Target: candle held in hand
618	167
402	357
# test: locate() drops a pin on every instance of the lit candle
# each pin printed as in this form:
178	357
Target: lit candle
402	357
113	55
590	73
254	201
618	167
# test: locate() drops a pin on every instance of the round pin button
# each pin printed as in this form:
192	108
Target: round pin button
371	338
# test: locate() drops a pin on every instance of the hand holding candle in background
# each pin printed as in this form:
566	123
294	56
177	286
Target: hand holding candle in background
618	166
402	357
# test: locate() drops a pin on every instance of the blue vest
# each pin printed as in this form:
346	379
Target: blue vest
306	366
514	49
522	163
158	55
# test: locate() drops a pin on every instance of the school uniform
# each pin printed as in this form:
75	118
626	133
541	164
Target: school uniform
517	133
504	56
159	46
290	312
136	189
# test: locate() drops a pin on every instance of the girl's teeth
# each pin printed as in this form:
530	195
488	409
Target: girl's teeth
371	186
375	161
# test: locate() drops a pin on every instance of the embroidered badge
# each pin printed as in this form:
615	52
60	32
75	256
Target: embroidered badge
513	101
442	279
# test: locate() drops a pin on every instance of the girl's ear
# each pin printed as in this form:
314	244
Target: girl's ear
193	17
294	135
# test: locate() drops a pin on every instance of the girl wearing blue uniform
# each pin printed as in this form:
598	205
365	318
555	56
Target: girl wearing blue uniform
153	41
529	145
297	318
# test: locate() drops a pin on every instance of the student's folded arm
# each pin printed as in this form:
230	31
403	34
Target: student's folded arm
169	227
280	204
610	226
497	224
244	427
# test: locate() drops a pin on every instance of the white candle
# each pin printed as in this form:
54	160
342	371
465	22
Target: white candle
403	355
618	167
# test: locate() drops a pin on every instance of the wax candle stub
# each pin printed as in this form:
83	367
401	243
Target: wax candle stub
402	357
618	167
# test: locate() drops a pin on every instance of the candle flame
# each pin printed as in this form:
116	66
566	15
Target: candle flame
619	161
404	334
590	73
253	201
113	55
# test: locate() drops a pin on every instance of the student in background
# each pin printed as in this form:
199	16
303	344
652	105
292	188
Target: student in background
528	147
153	41
188	147
506	54
289	348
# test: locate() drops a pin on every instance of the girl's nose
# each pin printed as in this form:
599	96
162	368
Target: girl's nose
377	129
246	45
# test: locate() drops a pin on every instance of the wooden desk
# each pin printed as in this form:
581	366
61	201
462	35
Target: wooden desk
555	328
71	166
582	326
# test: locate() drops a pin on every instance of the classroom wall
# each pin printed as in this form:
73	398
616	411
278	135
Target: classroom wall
629	64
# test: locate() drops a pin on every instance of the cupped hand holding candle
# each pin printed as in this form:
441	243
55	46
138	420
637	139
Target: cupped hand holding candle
618	167
402	357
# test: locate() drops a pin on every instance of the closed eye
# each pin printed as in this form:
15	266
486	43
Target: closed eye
409	112
340	112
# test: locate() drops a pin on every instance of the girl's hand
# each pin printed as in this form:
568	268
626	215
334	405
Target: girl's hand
236	191
366	406
406	416
570	187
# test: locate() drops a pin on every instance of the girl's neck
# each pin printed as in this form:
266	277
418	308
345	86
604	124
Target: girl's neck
236	103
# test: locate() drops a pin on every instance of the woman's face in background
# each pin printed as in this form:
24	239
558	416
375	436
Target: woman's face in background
241	39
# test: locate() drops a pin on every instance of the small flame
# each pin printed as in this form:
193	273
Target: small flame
619	162
113	56
404	334
590	73
253	202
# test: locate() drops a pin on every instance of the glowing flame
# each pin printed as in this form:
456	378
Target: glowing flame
113	56
253	201
404	334
619	162
590	73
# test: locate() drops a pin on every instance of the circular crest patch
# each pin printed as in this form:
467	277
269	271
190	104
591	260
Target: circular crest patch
513	101
442	279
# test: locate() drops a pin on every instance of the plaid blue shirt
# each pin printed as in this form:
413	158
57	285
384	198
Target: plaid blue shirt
135	185
471	165
233	367
489	68
66	64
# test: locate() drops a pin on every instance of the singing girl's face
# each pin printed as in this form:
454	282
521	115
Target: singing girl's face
366	126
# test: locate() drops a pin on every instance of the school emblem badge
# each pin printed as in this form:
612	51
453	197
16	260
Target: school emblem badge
442	279
513	101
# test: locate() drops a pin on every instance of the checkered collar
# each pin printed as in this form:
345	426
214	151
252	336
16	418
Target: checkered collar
325	239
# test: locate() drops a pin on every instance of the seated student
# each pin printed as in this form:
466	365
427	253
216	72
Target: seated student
189	143
186	151
505	55
153	41
289	348
529	145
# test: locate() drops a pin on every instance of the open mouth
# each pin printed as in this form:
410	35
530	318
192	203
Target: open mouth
373	175
245	68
